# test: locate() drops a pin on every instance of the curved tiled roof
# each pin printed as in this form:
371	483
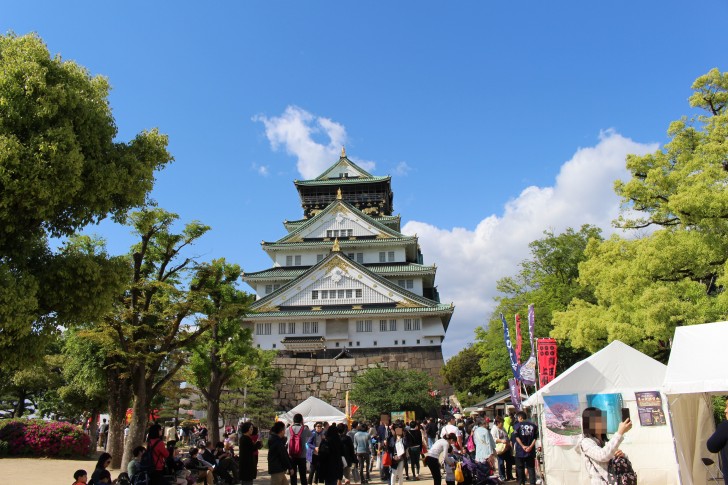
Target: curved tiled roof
343	181
343	242
285	272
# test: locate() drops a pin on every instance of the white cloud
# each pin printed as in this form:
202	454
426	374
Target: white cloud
261	169
294	130
583	194
402	169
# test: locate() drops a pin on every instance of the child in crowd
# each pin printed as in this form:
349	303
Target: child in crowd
80	477
450	464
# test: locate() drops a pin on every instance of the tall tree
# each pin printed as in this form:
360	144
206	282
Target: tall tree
222	352
154	322
60	169
548	279
647	286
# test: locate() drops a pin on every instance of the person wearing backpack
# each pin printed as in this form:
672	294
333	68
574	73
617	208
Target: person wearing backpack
595	447
298	435
154	458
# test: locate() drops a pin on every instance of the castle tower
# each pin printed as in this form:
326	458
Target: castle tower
347	290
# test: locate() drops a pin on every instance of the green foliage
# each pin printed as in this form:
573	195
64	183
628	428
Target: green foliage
719	403
549	281
675	276
60	169
384	390
458	372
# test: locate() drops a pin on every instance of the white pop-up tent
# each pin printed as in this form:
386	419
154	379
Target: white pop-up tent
617	368
695	371
314	409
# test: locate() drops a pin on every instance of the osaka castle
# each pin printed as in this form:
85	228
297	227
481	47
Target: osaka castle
344	281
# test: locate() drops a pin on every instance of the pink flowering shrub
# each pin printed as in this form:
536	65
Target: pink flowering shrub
43	438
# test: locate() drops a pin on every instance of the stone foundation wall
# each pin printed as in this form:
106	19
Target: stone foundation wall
329	379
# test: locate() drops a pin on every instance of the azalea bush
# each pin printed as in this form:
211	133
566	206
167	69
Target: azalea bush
43	438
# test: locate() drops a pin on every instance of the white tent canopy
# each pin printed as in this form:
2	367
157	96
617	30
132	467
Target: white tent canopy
696	370
314	409
617	368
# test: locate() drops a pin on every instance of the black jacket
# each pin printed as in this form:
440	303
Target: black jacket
348	446
278	459
248	460
718	443
330	465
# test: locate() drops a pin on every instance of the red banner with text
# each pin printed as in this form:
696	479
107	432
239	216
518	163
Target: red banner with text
547	358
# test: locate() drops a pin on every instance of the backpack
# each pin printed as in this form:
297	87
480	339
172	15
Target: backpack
146	463
294	443
621	472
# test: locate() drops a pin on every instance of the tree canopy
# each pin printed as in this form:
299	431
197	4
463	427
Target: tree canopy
384	390
61	168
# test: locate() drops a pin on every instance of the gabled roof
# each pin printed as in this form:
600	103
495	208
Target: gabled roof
391	221
340	206
336	259
343	162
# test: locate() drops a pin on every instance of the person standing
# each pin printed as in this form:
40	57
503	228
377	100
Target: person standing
103	434
397	448
484	444
415	443
431	430
330	454
312	446
362	447
718	443
279	463
595	447
298	436
501	437
159	455
525	433
247	469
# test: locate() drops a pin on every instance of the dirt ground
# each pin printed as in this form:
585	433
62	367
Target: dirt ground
47	471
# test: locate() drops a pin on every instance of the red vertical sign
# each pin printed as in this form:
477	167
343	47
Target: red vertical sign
547	358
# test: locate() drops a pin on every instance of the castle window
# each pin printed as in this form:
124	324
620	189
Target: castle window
297	260
418	342
349	293
396	342
341	294
358	344
404	342
375	342
263	328
359	257
358	293
382	325
393	325
293	260
408	284
324	294
411	324
390	256
382	257
337	344
314	295
287	328
271	288
310	327
363	325
274	346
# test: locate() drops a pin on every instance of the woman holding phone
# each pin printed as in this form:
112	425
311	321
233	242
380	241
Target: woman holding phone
595	447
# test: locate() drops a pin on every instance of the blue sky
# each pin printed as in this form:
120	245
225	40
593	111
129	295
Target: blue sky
496	120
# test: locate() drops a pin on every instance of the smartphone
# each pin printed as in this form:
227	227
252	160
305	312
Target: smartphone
625	414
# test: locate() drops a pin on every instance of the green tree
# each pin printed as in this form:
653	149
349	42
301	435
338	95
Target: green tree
645	287
458	371
549	281
148	334
222	352
380	389
60	169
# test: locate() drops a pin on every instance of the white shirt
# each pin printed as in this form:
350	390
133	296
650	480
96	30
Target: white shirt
449	428
596	458
438	449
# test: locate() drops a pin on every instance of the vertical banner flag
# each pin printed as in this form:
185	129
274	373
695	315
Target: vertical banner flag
531	327
547	356
528	370
515	393
519	339
509	346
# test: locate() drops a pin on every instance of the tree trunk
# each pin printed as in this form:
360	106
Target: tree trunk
93	430
140	414
119	399
20	405
213	419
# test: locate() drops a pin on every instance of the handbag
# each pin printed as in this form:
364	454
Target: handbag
501	448
459	477
386	459
355	474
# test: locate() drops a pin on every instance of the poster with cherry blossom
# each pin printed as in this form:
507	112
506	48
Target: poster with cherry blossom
562	419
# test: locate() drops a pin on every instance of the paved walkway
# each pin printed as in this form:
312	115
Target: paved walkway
47	471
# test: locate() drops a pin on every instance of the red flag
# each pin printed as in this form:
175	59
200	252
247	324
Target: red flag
547	358
354	409
518	339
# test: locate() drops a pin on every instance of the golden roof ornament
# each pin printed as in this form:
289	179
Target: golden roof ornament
338	194
336	248
343	152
